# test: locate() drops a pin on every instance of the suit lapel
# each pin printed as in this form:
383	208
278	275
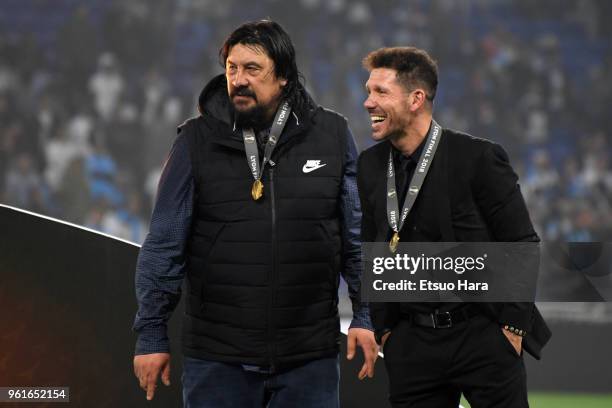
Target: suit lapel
436	182
441	191
383	232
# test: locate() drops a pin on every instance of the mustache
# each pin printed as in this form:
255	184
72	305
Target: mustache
243	91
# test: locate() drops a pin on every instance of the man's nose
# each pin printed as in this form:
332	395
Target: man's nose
369	103
240	79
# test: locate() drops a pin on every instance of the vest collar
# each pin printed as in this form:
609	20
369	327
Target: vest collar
224	134
213	104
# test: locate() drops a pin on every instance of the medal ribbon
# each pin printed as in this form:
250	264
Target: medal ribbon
252	153
397	222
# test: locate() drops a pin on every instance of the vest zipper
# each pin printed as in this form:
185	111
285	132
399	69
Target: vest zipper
272	297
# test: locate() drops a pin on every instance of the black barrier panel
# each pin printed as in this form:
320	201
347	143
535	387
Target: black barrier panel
67	305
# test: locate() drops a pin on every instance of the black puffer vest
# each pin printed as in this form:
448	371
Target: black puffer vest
263	275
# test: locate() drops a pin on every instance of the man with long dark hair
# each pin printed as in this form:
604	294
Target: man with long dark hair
258	208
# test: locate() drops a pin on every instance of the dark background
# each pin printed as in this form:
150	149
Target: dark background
91	92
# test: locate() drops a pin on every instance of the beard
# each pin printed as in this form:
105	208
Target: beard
397	130
394	134
256	117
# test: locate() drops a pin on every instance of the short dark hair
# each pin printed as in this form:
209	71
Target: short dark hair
274	40
415	68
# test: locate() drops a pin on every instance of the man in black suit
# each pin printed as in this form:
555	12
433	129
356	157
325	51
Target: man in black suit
436	351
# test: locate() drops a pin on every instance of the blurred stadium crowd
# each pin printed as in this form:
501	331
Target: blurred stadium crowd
91	93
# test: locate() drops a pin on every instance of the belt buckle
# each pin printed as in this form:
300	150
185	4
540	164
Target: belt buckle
445	323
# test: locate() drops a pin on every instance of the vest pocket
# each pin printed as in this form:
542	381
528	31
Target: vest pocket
335	283
206	236
330	235
217	233
195	305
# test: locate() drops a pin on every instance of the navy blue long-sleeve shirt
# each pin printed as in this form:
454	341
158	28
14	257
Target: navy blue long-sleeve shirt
161	263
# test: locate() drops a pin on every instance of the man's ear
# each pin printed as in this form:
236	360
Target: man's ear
419	99
283	82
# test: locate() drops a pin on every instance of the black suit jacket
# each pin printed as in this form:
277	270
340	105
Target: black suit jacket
469	195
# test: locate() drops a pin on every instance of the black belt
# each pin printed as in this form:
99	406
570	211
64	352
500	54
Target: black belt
443	320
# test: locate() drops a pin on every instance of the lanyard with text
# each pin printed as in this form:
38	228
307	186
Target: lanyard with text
427	155
252	154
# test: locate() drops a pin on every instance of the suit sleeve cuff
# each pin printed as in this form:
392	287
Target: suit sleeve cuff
519	317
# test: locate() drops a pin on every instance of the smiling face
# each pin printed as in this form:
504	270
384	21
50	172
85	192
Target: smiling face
388	103
252	84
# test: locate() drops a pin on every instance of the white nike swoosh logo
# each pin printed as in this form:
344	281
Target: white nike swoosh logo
308	169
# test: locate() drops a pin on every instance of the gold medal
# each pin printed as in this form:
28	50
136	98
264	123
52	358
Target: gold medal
257	190
394	241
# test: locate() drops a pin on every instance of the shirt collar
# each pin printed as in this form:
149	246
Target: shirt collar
414	157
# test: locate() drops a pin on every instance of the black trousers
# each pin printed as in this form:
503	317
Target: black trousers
430	367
